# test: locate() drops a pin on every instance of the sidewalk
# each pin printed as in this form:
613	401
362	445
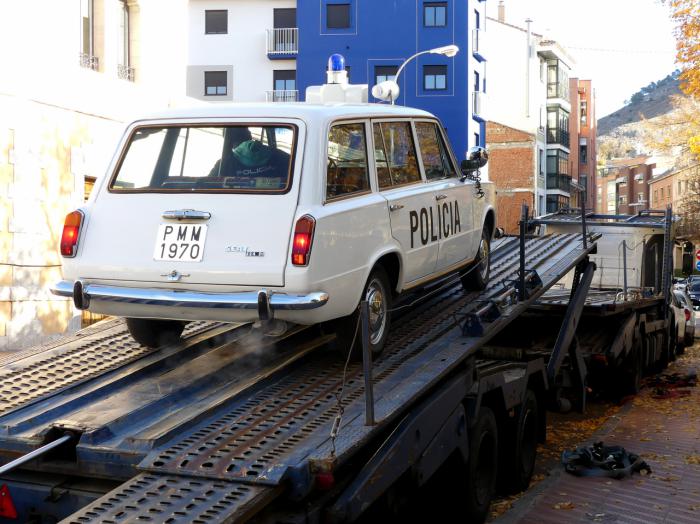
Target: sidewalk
666	433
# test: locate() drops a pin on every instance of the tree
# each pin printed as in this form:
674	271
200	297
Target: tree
686	15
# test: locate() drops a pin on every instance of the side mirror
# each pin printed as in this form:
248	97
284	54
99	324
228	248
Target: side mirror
477	157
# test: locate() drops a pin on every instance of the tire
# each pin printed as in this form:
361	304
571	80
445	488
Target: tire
632	371
153	333
519	452
477	276
377	291
482	467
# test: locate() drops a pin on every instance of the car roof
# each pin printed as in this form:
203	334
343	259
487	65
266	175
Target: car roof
302	110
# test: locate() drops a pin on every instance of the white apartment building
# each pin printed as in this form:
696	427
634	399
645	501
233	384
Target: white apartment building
528	92
68	87
242	50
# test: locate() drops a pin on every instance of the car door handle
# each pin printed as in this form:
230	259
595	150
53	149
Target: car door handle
395	207
440	197
186	214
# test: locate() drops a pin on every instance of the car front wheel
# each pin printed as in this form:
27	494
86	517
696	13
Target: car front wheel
153	333
477	276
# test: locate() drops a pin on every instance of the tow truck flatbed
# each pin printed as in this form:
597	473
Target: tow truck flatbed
217	427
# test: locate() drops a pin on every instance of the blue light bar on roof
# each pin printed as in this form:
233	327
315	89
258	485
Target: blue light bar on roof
336	62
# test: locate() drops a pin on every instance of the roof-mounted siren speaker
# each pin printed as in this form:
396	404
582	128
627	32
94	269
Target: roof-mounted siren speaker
337	89
388	91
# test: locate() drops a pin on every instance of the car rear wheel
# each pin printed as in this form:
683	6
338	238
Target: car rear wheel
477	276
153	333
377	292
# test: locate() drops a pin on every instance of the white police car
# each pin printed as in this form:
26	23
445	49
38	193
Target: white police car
286	211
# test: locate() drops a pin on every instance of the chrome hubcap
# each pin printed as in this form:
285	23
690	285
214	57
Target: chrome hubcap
377	311
484	256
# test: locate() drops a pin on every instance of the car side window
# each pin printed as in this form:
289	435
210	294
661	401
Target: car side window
395	153
347	171
433	152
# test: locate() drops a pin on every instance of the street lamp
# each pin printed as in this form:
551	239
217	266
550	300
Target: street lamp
389	89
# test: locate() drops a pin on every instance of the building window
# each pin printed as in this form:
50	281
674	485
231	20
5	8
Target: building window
540	161
662	193
656	196
556	202
584	113
477	84
435	14
434	77
679	187
338	16
640	197
583	153
216	22
87	30
557	80
384	73
668	192
558	126
215	83
622	199
284	85
284	18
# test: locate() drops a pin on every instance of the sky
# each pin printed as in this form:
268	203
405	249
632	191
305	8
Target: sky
621	45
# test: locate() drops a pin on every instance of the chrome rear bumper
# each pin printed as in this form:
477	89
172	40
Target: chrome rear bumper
266	302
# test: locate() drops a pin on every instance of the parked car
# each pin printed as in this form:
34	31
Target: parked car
679	322
288	211
693	290
689	313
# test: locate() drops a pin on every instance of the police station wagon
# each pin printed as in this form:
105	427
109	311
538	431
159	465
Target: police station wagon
288	211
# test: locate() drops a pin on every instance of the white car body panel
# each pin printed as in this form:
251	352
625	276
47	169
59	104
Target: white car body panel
117	238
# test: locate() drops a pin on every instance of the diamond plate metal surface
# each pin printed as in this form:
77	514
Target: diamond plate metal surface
173	500
96	351
257	439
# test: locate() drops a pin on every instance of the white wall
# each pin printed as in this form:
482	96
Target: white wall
243	48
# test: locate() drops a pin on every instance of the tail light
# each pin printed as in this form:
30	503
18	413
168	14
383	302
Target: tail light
7	507
71	232
687	315
303	238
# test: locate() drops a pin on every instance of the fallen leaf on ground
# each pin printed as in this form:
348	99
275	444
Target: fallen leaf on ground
564	505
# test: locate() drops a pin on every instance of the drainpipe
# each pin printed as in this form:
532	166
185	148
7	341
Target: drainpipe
527	69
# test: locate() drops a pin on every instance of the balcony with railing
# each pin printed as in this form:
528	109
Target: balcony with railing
478	43
558	136
557	181
89	61
282	95
478	102
125	72
282	43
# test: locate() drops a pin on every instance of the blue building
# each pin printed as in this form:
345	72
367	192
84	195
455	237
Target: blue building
376	36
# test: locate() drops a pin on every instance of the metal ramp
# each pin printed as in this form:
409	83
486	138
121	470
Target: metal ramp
268	437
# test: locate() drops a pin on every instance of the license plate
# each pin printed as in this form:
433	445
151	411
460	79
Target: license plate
181	242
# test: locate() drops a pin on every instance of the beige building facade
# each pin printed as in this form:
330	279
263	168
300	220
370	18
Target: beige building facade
64	100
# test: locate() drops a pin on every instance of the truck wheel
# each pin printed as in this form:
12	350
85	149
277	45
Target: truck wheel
633	371
152	333
482	466
477	276
377	292
520	450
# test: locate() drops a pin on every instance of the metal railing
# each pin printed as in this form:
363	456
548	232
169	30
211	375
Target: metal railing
125	72
476	36
478	103
558	136
89	61
283	41
556	181
282	95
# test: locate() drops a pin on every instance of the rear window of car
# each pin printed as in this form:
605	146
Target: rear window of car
236	158
695	287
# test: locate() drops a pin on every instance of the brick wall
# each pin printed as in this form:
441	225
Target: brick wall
512	165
